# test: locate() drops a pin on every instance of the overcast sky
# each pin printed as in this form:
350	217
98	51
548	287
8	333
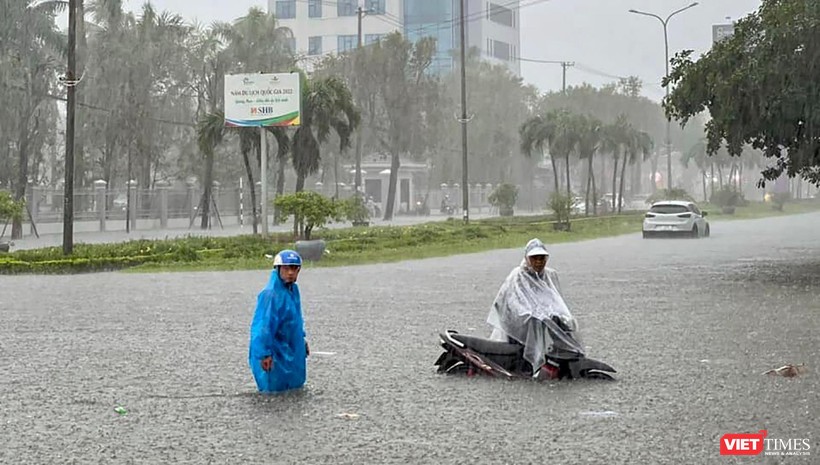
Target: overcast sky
601	36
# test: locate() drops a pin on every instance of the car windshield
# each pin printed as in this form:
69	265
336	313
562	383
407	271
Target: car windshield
668	209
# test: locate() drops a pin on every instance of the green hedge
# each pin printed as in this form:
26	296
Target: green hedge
350	245
117	256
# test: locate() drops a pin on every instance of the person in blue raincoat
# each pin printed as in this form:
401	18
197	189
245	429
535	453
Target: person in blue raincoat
278	348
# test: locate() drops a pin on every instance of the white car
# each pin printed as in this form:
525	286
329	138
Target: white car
675	217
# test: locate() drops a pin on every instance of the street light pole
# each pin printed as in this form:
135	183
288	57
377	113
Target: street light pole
360	13
465	193
665	23
71	105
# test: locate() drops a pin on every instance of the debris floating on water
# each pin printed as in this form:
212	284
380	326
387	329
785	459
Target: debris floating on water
787	371
348	416
121	410
605	413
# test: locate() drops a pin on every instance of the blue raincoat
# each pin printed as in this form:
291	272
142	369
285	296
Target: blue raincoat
278	331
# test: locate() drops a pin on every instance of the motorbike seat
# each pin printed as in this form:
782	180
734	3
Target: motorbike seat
487	346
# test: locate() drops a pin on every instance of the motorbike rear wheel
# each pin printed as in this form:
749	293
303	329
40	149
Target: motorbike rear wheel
595	374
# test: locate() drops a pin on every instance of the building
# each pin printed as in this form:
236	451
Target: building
321	27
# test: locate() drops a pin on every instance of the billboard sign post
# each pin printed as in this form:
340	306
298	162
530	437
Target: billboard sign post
263	100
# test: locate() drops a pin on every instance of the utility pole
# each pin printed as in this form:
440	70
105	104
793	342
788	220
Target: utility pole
465	197
360	13
71	105
565	65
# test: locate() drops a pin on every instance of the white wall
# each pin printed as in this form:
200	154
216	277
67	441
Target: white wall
495	31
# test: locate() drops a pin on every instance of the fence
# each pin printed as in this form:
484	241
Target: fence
173	207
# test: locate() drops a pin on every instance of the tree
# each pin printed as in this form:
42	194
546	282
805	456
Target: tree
257	44
499	103
327	105
400	83
590	133
555	130
760	87
638	147
30	48
615	140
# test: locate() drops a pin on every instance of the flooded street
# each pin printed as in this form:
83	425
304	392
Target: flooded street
690	325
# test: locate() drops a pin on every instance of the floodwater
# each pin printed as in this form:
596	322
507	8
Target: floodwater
690	325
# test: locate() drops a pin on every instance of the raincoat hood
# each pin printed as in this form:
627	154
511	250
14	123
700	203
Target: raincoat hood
278	331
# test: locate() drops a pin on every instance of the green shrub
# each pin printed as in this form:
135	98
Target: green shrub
355	210
9	208
504	197
727	197
310	210
561	204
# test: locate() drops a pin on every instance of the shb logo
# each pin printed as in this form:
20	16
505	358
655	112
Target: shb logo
742	444
261	110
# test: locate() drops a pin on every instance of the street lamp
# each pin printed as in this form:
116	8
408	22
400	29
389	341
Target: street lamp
665	22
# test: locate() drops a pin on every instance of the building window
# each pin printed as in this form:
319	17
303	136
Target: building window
372	38
501	50
346	43
436	19
501	15
376	7
285	9
314	8
346	7
315	45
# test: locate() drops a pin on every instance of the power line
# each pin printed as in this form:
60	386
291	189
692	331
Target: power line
107	110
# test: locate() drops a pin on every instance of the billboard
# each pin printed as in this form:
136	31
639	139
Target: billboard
257	100
722	31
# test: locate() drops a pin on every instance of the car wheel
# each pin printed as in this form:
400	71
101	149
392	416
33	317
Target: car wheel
645	235
695	232
707	233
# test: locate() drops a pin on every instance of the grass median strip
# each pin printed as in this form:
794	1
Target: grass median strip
348	246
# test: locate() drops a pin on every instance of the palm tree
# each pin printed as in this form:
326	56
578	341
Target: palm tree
589	139
566	139
615	138
638	143
209	62
554	130
327	105
257	44
697	154
536	134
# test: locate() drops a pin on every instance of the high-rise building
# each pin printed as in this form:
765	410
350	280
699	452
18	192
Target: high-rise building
321	27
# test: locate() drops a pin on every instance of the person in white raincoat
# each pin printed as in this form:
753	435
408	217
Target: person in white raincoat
530	294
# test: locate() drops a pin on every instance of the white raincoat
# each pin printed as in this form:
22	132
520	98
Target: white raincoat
527	298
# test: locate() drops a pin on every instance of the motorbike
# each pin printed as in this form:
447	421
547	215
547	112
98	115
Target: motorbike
565	359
